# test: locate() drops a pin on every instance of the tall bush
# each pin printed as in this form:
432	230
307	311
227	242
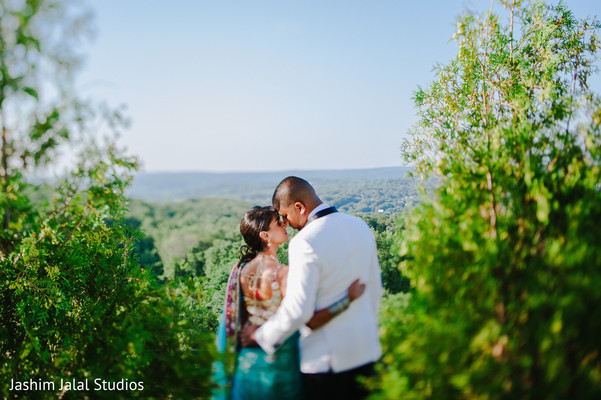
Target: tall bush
505	254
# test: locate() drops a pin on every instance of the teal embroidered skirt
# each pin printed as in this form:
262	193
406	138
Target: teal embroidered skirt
264	377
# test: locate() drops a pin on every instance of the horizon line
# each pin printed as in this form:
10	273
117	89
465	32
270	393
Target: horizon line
265	171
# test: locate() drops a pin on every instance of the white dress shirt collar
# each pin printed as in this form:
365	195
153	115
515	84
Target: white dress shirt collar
317	209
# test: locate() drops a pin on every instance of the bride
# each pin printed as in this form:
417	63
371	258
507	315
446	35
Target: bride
255	289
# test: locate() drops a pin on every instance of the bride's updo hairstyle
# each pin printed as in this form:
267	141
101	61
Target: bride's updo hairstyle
255	221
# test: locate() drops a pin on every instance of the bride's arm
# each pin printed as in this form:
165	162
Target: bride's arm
323	316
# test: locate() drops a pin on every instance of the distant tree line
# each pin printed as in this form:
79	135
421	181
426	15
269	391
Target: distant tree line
377	194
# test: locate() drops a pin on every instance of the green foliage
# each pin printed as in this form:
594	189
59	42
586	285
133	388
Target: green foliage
220	259
144	249
75	303
396	322
387	231
183	230
505	255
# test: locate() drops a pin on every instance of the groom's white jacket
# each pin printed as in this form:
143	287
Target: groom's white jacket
325	257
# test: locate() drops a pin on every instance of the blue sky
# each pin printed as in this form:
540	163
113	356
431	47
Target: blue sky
270	85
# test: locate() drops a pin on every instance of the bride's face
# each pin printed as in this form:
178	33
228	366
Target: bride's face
277	232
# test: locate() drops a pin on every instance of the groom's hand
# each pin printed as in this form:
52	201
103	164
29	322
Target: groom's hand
247	336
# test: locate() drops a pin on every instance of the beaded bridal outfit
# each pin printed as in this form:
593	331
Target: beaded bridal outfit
259	310
259	375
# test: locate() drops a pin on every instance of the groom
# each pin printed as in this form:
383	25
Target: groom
331	250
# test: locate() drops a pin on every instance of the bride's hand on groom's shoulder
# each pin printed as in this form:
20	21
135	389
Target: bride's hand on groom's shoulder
356	290
247	338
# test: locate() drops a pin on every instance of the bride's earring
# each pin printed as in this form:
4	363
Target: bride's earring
268	243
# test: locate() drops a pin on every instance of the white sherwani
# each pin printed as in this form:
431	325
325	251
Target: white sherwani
325	257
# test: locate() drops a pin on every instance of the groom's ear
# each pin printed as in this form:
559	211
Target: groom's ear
300	207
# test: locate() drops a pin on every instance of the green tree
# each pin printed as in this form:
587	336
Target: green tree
75	303
505	253
220	259
145	249
387	231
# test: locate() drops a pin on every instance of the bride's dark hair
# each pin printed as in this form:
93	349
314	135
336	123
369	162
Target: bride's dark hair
255	221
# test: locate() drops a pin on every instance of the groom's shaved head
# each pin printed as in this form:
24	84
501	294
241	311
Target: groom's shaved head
294	189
